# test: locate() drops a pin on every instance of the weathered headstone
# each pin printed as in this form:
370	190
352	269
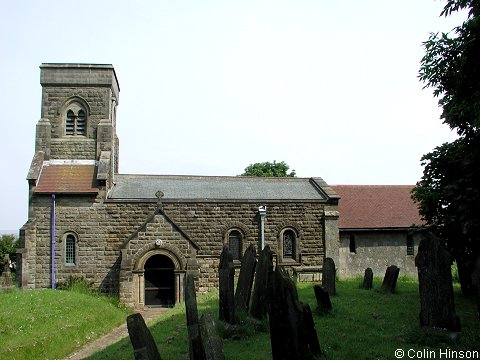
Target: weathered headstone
144	347
390	280
226	287
437	308
193	327
6	277
476	284
245	279
328	276
324	304
212	343
292	330
367	279
258	308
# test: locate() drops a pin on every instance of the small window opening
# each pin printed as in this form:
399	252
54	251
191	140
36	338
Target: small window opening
70	124
353	244
70	249
289	244
410	245
235	244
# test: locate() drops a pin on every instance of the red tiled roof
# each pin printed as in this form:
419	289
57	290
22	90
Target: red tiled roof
74	179
376	206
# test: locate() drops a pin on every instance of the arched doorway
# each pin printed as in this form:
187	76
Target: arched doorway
159	281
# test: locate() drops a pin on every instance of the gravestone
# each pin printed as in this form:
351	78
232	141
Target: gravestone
476	284
328	276
292	329
437	308
211	342
226	287
258	308
144	347
6	277
245	279
390	279
324	304
193	327
367	279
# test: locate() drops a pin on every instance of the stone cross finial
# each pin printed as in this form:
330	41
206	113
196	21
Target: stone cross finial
159	194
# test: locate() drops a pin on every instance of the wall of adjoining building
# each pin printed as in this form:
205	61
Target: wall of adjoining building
376	250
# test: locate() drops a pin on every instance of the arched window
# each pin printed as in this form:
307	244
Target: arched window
70	249
75	122
235	244
289	244
353	245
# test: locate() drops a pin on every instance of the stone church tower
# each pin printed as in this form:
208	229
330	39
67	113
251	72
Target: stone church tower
76	145
136	236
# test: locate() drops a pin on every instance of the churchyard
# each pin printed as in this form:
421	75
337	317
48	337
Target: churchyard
406	318
382	317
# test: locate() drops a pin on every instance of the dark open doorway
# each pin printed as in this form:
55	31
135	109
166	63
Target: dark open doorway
159	281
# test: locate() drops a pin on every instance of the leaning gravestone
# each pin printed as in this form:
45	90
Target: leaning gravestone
193	327
437	308
258	308
328	276
476	284
292	329
144	347
324	305
226	287
245	279
390	279
211	342
367	279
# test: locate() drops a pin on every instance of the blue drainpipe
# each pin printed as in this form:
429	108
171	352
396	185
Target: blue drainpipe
53	241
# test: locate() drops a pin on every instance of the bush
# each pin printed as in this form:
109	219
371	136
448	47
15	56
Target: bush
8	246
78	284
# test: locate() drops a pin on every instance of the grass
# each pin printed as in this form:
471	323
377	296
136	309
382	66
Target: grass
364	324
50	324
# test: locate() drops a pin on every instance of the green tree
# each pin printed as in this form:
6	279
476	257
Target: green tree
268	169
448	193
8	246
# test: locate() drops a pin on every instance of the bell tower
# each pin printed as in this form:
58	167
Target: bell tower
78	116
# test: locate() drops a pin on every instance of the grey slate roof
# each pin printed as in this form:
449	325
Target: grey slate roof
212	188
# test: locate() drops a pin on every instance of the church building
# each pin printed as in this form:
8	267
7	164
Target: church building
138	235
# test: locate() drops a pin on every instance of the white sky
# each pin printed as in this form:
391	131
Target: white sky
209	87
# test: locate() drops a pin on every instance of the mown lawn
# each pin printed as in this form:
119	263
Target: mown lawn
50	324
365	324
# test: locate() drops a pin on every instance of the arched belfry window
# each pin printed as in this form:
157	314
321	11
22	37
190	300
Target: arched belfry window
289	244
75	122
235	244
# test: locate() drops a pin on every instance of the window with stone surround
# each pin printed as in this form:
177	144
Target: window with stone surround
235	244
289	244
70	249
76	119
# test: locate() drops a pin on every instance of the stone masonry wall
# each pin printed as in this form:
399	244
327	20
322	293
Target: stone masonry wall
103	228
53	108
376	250
208	223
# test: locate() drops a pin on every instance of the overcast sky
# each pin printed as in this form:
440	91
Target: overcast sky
209	87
